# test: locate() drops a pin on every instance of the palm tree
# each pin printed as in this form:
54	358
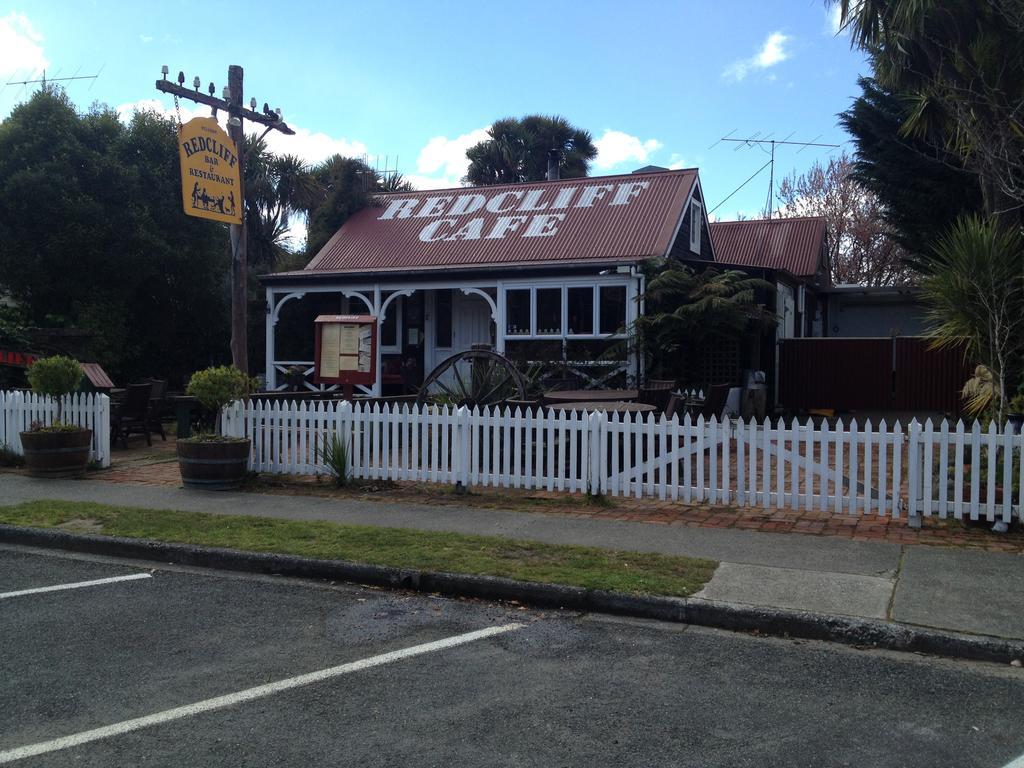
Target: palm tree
344	186
518	150
277	188
976	294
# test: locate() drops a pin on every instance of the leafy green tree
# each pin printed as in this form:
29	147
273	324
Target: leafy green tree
685	309
517	150
976	295
922	188
92	235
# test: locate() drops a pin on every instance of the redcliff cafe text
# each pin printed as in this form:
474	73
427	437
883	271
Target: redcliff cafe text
542	272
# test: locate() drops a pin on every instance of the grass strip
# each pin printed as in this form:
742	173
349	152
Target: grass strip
590	567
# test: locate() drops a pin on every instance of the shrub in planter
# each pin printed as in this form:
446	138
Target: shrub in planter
57	450
214	461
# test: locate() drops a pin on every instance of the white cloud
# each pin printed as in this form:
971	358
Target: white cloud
442	162
834	17
772	52
21	47
676	161
615	147
422	182
146	38
312	147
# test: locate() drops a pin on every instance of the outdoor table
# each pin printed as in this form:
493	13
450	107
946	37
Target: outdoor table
591	395
604	405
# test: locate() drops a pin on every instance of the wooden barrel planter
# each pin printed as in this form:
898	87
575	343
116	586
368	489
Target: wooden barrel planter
213	466
56	454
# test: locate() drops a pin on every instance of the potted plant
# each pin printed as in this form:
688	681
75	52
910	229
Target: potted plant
212	461
57	450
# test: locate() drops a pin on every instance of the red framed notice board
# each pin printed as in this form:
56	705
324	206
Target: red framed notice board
346	349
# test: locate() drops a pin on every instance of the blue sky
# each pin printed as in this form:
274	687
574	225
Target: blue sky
654	82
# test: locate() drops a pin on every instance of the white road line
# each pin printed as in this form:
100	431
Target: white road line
74	585
1018	763
260	691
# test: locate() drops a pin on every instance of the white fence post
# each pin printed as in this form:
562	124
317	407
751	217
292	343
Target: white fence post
101	431
914	476
461	434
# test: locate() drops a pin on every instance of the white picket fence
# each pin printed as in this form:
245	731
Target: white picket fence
843	469
19	410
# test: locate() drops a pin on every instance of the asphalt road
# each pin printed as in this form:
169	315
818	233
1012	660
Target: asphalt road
558	690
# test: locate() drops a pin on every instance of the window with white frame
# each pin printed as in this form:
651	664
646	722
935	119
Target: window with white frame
518	312
612	309
696	225
548	312
572	311
580	314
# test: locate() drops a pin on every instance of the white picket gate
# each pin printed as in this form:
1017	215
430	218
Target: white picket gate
19	410
843	469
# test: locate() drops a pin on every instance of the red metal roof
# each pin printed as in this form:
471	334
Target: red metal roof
604	218
794	245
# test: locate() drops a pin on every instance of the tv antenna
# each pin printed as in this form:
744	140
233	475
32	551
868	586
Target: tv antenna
385	176
761	142
44	79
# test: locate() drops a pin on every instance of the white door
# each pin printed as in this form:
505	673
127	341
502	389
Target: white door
471	321
470	324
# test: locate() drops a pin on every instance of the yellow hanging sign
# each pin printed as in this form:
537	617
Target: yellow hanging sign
210	174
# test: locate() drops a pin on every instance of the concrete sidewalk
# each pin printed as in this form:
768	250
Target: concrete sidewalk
943	588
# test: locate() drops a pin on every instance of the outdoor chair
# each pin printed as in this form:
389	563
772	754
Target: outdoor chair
674	405
131	415
714	403
157	398
657	397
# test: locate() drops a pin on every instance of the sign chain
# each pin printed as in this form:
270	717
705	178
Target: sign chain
177	109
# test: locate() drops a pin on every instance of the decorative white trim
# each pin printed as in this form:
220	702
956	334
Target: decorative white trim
350	294
275	313
487	298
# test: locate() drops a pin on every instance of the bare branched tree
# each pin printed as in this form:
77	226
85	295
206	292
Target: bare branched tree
862	250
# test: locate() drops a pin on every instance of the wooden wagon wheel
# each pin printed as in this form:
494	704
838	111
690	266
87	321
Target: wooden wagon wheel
491	378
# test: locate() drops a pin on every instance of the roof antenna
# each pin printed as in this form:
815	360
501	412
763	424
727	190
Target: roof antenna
755	141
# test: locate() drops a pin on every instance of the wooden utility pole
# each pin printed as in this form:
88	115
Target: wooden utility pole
232	104
239	236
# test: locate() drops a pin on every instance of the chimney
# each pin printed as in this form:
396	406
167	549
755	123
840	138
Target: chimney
554	159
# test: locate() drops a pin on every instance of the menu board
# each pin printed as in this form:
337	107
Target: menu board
330	343
346	349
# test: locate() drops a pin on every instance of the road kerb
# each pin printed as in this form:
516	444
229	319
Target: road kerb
849	630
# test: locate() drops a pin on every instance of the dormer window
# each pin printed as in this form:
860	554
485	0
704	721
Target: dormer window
696	225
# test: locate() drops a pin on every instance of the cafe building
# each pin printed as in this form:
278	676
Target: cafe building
546	273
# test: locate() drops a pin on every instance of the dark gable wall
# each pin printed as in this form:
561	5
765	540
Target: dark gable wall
681	247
